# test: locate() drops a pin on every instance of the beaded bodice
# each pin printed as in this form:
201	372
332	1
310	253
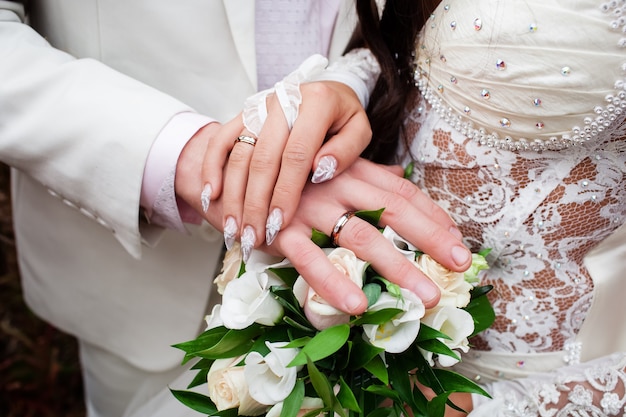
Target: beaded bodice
519	135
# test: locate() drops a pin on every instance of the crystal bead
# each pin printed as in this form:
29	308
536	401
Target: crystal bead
500	65
537	102
453	80
504	122
453	25
565	71
446	7
485	94
478	24
520	364
540	125
443	58
532	27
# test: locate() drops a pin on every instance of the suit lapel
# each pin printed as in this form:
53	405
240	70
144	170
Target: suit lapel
240	15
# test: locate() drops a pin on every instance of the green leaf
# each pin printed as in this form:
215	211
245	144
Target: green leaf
323	344
287	299
437	406
298	343
199	379
482	313
408	170
428	333
437	346
372	293
376	317
288	275
204	341
370	216
377	368
203	364
321	385
399	379
198	402
384	391
320	239
480	291
293	402
362	352
453	381
346	397
234	343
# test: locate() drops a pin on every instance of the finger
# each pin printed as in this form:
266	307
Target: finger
263	171
235	180
313	264
435	234
215	159
322	111
344	148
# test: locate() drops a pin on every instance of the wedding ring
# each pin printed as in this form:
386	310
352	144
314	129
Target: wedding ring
246	139
341	222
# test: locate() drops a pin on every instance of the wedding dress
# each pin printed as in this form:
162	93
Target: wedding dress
519	134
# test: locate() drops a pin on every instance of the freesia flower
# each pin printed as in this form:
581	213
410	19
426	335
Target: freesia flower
453	322
230	267
398	334
321	314
214	319
270	380
401	244
455	291
478	264
228	388
248	300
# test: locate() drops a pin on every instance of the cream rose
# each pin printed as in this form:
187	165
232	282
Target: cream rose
270	380
248	300
228	388
453	322
455	291
321	314
399	333
230	267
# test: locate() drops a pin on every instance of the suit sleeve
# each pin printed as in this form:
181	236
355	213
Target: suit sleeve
77	126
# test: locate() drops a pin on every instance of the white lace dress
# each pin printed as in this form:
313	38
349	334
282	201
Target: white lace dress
520	136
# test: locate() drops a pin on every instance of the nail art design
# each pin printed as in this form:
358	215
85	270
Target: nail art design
230	231
248	239
325	169
205	197
273	225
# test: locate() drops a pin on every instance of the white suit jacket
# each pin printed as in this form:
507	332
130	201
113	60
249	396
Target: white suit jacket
78	131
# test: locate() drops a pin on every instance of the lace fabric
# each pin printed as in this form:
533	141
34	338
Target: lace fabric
540	185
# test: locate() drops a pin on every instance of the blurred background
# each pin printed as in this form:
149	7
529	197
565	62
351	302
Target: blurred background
39	368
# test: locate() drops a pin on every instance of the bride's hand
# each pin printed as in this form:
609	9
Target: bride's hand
264	176
412	214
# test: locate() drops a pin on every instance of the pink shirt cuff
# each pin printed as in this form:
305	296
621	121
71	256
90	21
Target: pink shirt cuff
158	197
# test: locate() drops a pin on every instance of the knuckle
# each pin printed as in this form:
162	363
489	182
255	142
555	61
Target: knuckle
405	188
238	157
296	154
360	235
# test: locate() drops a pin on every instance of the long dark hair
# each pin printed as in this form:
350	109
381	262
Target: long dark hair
392	41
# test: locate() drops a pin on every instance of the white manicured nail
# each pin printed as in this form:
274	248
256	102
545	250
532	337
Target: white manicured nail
230	231
325	169
273	225
248	239
205	197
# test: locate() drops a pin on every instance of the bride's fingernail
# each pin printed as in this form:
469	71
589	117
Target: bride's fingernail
273	225
325	169
248	239
230	231
205	197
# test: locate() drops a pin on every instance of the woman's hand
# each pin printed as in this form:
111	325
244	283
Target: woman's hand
265	175
363	186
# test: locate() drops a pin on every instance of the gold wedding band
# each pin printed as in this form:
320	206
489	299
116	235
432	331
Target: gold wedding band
246	139
341	222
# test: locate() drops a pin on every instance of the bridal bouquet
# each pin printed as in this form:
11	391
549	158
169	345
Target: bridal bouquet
274	347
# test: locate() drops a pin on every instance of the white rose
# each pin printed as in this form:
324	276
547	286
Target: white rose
213	320
228	388
270	380
230	267
399	333
401	244
308	404
321	314
455	291
247	300
455	323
